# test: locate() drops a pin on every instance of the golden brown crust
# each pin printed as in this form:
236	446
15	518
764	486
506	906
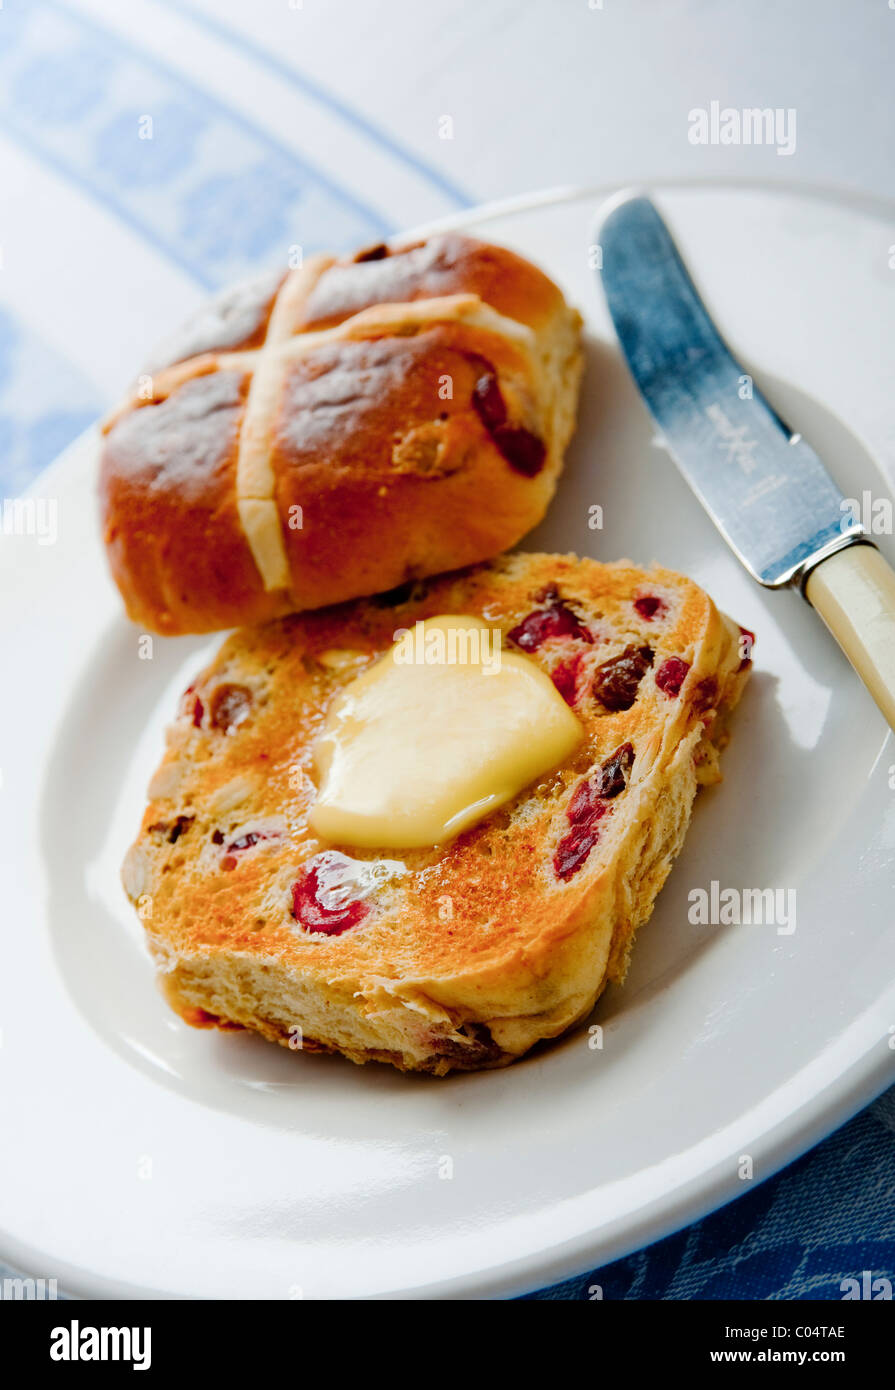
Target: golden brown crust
443	265
172	529
236	318
364	454
464	955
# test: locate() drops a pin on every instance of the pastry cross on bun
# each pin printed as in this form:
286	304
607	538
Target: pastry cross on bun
460	955
337	431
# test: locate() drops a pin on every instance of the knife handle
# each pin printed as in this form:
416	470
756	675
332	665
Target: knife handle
854	593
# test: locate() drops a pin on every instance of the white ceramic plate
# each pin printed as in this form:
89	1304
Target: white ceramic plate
141	1157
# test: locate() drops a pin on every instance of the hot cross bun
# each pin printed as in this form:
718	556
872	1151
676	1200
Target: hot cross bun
338	430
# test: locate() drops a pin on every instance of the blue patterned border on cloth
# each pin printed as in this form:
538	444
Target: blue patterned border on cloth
73	93
44	403
213	194
823	1221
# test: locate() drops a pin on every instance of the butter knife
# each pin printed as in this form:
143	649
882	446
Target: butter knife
763	486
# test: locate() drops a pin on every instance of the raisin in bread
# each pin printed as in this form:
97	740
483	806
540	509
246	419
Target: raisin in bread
460	956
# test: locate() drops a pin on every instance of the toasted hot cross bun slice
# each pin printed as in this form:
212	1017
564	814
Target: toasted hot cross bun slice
337	431
463	955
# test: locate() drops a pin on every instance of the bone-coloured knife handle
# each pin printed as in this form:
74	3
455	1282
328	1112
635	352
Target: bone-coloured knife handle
854	593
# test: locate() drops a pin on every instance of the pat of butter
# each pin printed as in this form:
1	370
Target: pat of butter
442	730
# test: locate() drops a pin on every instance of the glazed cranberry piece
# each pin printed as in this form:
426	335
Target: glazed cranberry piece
747	642
573	849
649	607
522	450
671	675
230	705
586	804
616	682
488	402
312	913
565	677
556	621
193	707
589	804
583	811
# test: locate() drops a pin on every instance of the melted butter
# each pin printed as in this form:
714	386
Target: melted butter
442	730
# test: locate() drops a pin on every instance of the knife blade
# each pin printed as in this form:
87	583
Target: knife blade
763	485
